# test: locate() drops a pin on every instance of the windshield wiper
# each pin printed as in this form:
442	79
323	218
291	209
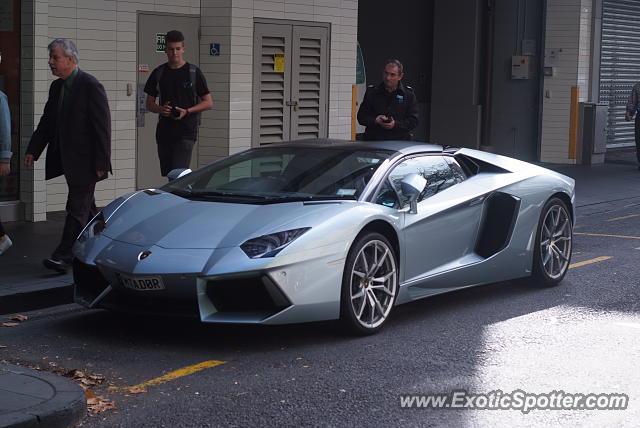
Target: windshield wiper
214	194
296	198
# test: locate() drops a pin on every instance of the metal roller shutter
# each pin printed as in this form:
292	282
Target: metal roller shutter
619	65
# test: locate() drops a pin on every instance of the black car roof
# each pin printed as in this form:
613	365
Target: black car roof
405	147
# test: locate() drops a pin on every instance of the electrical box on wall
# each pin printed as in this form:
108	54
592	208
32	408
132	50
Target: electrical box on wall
521	67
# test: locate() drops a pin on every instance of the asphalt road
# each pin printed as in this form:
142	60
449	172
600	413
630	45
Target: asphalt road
579	337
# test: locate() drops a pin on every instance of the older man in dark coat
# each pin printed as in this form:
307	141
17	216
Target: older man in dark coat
76	126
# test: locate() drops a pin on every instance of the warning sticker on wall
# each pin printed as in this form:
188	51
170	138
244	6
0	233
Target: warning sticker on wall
278	63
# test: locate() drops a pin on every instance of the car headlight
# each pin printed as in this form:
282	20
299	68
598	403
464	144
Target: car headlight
272	244
94	228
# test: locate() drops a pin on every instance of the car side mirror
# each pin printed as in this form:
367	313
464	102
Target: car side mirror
174	174
412	185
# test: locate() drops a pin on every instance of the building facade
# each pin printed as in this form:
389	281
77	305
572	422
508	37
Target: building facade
284	69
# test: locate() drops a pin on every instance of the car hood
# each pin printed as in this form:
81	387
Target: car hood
170	221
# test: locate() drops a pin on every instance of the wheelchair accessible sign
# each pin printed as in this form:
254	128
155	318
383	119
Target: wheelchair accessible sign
214	49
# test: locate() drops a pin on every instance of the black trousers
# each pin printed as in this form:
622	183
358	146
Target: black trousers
174	153
2	232
81	207
638	136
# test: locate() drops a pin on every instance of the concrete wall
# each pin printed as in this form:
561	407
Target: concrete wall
475	101
567	48
514	106
231	22
105	32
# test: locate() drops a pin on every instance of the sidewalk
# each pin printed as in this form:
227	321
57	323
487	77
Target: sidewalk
25	284
30	398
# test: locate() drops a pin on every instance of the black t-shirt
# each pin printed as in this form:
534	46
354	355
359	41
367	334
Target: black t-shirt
175	87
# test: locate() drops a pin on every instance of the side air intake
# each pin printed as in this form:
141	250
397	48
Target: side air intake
499	218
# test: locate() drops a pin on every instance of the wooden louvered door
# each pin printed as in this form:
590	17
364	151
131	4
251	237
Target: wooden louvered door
290	100
272	88
309	73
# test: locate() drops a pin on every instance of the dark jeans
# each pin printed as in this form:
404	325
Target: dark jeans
81	207
638	136
174	154
2	232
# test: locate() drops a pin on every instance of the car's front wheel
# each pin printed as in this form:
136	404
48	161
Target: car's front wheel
369	284
554	236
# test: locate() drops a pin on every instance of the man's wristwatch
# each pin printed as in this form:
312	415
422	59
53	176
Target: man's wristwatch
187	113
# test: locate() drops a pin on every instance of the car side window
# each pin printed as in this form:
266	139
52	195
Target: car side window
434	168
387	195
456	169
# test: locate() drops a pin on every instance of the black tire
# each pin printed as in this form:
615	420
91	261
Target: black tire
553	245
369	284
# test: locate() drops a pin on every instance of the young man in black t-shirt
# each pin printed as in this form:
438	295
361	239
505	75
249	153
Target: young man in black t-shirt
183	95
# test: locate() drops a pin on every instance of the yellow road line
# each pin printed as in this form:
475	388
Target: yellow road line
624	217
606	235
588	262
172	375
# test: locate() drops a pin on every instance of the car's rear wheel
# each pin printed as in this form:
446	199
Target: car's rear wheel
554	237
369	284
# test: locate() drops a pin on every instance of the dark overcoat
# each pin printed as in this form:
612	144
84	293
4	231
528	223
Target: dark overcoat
78	132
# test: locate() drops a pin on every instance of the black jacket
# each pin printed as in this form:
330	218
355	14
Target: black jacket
79	138
401	104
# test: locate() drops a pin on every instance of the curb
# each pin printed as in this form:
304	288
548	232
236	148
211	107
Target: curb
44	297
66	407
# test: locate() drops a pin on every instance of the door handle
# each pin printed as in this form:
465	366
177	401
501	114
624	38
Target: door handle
293	104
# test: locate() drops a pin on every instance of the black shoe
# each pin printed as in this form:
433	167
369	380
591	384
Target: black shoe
59	266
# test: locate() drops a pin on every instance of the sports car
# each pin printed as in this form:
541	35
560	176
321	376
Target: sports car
325	230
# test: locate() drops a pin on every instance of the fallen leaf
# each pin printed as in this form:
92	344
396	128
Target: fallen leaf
136	390
19	318
97	377
10	324
89	394
74	373
99	404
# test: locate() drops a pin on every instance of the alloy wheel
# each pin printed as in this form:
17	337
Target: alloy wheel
373	285
555	241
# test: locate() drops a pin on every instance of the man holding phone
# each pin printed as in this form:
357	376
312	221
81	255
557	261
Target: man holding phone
183	94
389	110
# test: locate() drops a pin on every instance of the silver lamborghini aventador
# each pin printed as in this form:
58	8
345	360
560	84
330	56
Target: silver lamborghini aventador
324	229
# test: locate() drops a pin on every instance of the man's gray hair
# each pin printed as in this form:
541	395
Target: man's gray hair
67	46
396	63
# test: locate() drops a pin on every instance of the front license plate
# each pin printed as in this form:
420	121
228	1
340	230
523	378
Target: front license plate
141	283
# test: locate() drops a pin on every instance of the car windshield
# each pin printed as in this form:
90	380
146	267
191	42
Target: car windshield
283	174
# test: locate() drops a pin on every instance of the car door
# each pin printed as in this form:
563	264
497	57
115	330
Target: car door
441	236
